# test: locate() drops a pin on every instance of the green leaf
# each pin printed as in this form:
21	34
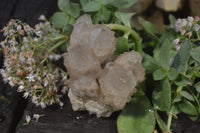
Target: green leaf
122	46
92	6
175	110
75	10
164	55
63	48
67	29
178	98
83	2
197	87
172	74
159	74
160	122
186	95
137	117
125	18
172	19
103	14
196	54
162	96
64	5
123	3
156	54
149	64
149	28
183	81
59	19
181	60
187	107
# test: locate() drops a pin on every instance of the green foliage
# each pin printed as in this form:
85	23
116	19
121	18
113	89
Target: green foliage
181	60
137	117
125	18
174	72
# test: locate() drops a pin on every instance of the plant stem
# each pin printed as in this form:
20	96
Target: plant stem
169	122
128	31
56	46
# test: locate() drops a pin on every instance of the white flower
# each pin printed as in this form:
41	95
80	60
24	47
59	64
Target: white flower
37	116
12	32
196	27
25	39
42	17
20	88
28	119
39	33
54	57
189	18
43	105
177	47
19	27
25	95
176	41
31	77
2	44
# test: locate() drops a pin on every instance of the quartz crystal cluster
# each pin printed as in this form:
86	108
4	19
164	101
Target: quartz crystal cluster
98	83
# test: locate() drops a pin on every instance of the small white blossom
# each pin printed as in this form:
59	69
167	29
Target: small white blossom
42	17
196	27
189	18
176	41
11	32
25	95
28	119
20	88
177	47
43	105
31	78
54	57
19	27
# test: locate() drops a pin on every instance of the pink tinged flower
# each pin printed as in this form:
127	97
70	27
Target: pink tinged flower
189	18
177	47
176	41
19	27
196	27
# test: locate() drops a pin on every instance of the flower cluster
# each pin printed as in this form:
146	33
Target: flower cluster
188	28
28	54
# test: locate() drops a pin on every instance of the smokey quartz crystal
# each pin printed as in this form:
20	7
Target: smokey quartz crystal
99	83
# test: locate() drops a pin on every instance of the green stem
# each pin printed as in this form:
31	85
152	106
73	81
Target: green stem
128	31
56	46
20	40
169	122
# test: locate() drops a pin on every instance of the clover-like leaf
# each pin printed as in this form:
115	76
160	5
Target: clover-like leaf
172	74
125	18
159	74
59	19
92	6
122	45
137	117
64	5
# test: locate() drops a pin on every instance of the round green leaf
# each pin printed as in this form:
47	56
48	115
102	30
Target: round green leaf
137	117
59	19
159	74
92	6
75	10
64	5
122	45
